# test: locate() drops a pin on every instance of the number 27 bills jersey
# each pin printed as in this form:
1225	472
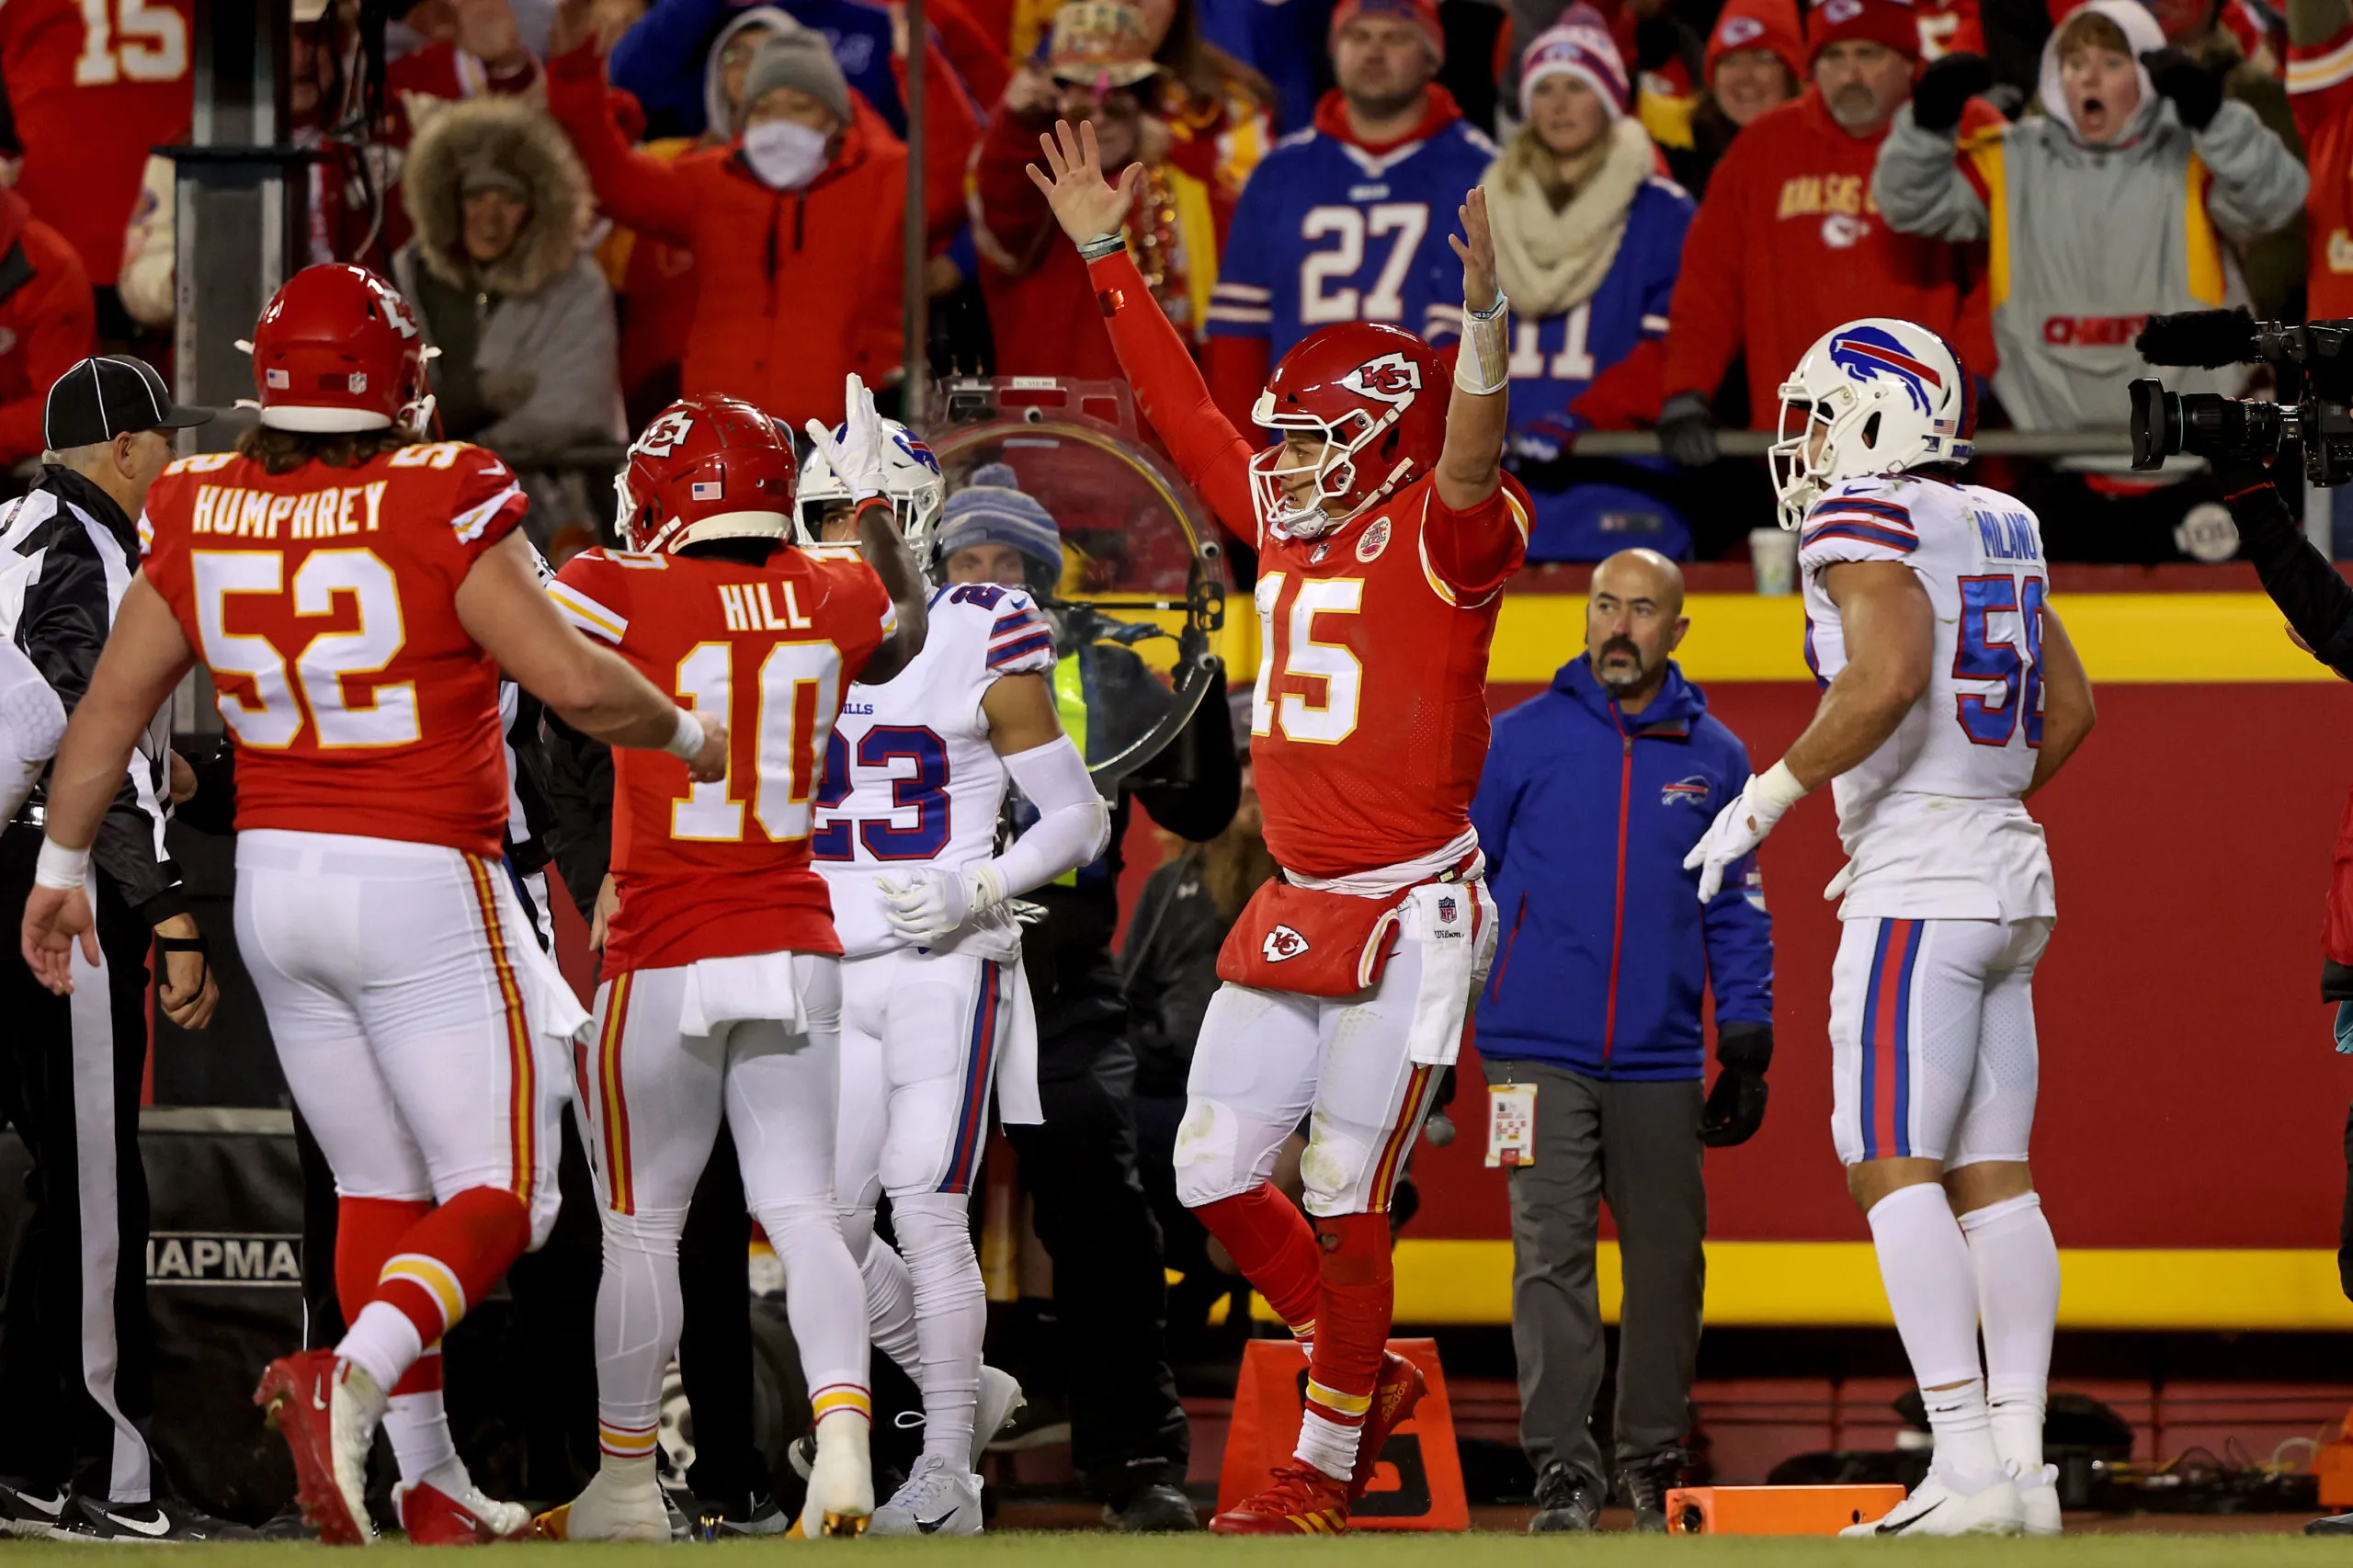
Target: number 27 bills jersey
1933	819
721	869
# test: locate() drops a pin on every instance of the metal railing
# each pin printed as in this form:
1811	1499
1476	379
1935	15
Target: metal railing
2114	443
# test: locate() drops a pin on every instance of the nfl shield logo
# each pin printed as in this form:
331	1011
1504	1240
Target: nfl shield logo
359	380
1446	910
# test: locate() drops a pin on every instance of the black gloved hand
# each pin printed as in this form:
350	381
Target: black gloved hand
1735	1107
1686	430
2196	91
1949	83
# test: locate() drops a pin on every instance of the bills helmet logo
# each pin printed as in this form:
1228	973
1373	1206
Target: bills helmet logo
1393	377
1871	354
1692	792
1282	943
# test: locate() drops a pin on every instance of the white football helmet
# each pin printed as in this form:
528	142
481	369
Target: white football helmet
1875	396
911	479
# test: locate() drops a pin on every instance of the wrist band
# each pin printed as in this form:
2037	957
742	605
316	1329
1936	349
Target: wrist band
1484	365
59	867
686	741
1778	786
1102	245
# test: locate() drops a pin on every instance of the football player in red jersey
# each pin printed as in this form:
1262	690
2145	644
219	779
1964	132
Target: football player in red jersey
722	995
354	594
1385	532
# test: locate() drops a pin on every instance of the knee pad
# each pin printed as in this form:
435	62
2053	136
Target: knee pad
1208	1152
653	1231
1337	1159
857	1221
928	1223
794	1227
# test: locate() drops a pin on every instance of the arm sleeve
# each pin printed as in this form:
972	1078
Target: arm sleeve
2258	185
661	58
1472	553
2300	581
1920	184
1074	822
646	194
1705	325
55	327
1738	933
1208	450
576	390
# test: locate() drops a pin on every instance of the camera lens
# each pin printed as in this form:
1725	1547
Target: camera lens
2157	428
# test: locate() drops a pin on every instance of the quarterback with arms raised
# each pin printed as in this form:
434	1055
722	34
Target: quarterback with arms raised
354	594
1385	533
1950	694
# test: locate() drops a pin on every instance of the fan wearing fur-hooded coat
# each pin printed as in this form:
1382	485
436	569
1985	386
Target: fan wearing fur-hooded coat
527	337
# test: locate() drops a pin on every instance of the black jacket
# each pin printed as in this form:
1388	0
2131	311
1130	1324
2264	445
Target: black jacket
74	552
2301	582
1168	973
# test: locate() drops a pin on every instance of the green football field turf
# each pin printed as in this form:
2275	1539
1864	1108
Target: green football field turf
1075	1550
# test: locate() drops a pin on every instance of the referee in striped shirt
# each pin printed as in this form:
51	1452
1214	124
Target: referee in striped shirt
74	1358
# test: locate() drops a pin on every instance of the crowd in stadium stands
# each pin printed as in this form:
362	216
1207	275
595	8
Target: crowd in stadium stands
596	204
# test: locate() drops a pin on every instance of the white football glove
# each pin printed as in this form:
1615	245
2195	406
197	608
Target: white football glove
1840	884
856	454
937	901
1741	826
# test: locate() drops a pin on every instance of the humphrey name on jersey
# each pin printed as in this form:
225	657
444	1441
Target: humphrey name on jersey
240	513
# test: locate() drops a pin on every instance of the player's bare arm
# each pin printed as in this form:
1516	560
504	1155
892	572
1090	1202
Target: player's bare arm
504	609
883	547
1470	466
145	656
1021	716
2068	713
1890	635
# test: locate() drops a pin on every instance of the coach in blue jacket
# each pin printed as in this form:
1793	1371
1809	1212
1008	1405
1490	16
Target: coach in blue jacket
1594	792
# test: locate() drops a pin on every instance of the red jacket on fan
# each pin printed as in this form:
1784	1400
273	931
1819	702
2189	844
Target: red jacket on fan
90	99
1788	243
45	322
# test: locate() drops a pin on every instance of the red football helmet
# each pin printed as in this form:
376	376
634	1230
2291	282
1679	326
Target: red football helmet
1378	394
338	349
708	466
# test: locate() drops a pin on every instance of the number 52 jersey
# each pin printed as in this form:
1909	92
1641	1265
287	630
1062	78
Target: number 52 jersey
1934	819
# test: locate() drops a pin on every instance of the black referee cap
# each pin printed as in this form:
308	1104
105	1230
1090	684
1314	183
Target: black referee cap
103	396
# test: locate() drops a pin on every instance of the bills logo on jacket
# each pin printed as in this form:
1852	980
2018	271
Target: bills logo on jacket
1281	943
1692	792
1393	377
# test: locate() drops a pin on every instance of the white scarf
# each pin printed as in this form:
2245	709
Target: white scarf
1550	262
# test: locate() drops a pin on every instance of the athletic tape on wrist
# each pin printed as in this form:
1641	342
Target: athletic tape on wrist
1484	365
1101	246
59	867
686	741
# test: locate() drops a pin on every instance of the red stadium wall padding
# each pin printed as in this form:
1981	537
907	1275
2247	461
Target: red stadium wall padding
2189	1094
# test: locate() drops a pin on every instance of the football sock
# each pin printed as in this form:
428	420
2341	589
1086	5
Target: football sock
1932	1289
825	1300
369	1231
1272	1244
1353	1307
415	1420
890	1294
2016	1262
951	1316
639	1315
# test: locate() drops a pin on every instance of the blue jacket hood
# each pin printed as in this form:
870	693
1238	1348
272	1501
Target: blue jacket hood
1677	702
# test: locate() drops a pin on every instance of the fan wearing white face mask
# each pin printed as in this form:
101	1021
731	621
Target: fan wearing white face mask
795	107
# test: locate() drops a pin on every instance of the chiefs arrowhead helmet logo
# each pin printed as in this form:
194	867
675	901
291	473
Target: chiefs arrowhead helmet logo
1281	943
1393	377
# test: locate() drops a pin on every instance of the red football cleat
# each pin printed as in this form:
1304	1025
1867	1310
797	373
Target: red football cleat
431	1516
1302	1501
1400	1388
326	1410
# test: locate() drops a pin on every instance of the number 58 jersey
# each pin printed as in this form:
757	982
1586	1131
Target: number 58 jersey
324	602
721	869
911	777
1934	819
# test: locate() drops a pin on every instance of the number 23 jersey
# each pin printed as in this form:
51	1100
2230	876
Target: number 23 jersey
1934	819
911	777
323	601
721	869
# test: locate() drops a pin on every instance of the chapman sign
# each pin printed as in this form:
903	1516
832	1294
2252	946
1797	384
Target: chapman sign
217	1257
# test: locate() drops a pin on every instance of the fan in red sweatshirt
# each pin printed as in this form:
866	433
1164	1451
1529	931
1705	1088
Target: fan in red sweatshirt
1788	244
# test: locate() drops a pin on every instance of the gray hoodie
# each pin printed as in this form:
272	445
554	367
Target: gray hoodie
2086	241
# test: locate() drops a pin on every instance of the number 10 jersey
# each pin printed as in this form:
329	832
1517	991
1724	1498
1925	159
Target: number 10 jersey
911	777
1934	819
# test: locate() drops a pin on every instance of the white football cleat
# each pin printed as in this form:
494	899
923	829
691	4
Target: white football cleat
2039	1501
457	1513
1000	1401
934	1501
1935	1508
841	1479
610	1507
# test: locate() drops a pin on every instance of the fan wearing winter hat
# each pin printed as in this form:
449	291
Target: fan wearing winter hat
994	531
1755	61
1588	238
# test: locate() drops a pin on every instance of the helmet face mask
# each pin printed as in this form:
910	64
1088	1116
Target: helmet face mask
1874	397
911	481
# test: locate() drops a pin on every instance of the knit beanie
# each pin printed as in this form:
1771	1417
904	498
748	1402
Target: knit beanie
1578	45
993	509
1891	22
1770	25
1422	14
798	59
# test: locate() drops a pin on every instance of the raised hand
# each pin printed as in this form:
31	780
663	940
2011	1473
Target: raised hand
1477	250
1085	203
856	454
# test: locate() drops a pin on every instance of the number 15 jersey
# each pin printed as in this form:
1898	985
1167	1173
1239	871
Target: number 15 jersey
1934	819
721	869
